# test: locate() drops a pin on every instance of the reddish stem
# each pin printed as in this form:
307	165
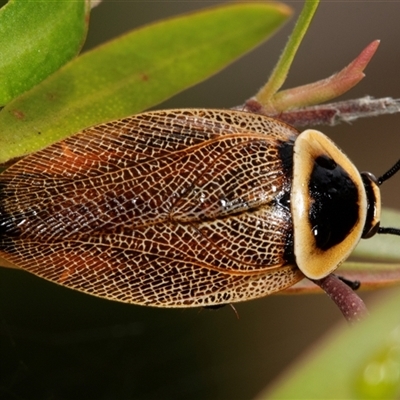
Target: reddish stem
351	306
332	113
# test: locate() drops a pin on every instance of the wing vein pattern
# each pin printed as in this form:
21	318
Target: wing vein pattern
169	208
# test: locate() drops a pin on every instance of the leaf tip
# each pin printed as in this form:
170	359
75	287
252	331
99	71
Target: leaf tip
284	9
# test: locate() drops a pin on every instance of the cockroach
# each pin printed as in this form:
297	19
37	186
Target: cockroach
188	207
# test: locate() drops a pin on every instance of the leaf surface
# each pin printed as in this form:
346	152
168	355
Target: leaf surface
36	39
134	72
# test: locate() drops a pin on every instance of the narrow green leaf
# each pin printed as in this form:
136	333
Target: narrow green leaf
134	72
281	69
36	39
358	363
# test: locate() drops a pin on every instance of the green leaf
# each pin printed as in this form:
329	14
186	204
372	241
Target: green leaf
281	70
134	72
36	39
358	363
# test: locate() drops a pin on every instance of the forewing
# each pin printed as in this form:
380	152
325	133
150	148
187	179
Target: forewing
114	211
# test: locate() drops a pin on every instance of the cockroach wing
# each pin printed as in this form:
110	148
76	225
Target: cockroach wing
169	208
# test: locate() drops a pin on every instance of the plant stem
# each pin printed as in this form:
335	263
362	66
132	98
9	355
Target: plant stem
281	69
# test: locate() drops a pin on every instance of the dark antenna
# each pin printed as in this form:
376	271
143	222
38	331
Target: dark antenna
389	174
381	179
389	231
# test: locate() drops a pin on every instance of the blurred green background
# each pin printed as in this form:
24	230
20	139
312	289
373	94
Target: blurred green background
60	344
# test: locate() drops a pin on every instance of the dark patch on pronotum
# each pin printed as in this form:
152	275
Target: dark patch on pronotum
334	208
286	156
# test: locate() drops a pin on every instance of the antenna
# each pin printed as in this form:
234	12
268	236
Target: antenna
389	174
389	231
380	180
